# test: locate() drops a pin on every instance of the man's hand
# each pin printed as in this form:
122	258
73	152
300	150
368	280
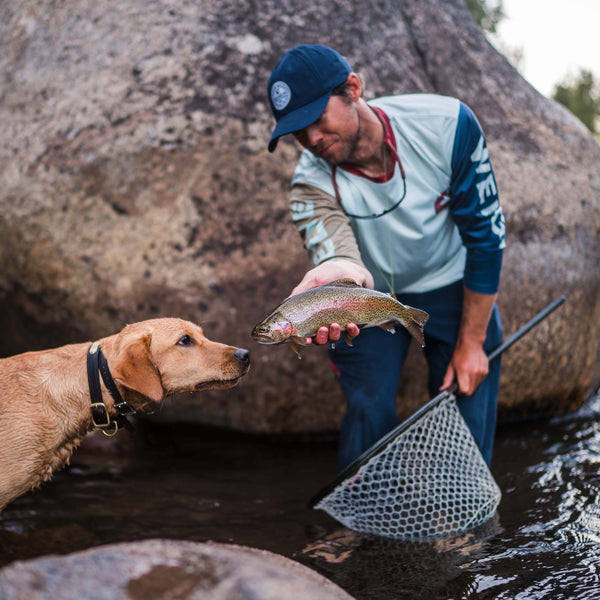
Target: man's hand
469	364
330	271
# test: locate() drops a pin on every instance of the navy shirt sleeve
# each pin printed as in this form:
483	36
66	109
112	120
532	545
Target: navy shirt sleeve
475	206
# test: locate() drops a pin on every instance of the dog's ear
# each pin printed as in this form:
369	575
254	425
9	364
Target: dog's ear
134	369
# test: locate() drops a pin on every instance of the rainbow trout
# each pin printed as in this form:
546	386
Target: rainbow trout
342	301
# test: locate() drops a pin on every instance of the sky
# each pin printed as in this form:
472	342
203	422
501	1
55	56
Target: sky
556	38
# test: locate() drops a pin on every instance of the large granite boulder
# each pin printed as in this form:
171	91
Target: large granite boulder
135	182
166	569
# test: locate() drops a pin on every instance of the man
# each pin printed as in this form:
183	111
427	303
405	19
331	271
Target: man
397	194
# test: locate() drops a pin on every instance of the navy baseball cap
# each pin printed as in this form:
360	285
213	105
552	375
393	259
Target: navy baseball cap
300	86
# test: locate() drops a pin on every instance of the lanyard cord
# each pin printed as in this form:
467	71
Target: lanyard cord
389	282
387	210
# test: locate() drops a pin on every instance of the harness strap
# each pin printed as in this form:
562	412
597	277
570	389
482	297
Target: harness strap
109	382
96	365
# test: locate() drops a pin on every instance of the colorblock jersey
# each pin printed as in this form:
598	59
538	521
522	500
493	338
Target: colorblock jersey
449	224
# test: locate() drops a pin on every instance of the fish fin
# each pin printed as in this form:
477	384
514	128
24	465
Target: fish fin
416	321
347	338
343	283
296	342
296	348
389	326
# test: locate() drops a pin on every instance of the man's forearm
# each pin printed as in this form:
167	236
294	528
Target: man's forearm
476	313
469	364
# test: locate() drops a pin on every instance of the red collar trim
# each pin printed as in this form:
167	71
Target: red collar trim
390	139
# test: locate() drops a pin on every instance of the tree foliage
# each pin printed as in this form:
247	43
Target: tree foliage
487	13
581	95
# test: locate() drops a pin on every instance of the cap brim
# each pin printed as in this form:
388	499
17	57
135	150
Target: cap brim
299	119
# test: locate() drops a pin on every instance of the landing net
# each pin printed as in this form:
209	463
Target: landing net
426	480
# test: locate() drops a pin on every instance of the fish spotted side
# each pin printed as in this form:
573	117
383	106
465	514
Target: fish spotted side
342	301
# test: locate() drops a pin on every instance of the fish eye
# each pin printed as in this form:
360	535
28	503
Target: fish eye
186	340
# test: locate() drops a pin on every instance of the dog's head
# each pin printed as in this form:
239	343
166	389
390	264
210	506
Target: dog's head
158	357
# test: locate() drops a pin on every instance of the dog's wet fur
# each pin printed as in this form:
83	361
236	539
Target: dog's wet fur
45	400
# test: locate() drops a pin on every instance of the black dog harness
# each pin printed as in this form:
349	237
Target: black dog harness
96	363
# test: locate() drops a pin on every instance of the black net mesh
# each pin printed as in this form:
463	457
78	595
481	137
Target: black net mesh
429	482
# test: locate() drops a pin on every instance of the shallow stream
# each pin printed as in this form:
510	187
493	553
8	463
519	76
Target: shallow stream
201	484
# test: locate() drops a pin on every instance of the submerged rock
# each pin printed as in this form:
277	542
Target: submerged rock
135	183
166	569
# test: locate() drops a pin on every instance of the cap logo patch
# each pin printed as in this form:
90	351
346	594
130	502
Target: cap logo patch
280	95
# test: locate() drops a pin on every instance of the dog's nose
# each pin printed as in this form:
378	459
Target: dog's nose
242	355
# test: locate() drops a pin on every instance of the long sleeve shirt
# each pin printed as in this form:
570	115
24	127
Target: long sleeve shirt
448	225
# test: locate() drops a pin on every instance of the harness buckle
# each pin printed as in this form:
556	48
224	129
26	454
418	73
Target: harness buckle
99	411
111	430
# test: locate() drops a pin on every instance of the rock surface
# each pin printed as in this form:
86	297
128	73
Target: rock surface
169	570
135	182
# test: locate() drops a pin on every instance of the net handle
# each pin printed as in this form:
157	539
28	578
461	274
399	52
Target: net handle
385	441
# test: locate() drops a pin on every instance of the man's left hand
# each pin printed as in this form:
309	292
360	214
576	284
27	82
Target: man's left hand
468	366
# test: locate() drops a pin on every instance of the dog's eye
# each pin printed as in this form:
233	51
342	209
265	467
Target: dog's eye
186	340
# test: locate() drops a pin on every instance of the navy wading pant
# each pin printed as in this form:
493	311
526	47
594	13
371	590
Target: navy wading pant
369	374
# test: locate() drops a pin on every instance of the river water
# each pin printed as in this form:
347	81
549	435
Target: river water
199	484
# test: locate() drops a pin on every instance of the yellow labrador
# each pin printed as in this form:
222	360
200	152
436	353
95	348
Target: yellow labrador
50	400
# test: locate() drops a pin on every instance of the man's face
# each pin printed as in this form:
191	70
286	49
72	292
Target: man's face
334	136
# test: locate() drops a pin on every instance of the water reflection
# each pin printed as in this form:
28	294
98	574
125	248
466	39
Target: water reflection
197	484
377	567
549	510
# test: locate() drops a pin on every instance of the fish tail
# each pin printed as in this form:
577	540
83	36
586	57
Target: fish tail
415	322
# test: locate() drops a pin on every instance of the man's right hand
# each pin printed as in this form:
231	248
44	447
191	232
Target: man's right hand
324	273
332	270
